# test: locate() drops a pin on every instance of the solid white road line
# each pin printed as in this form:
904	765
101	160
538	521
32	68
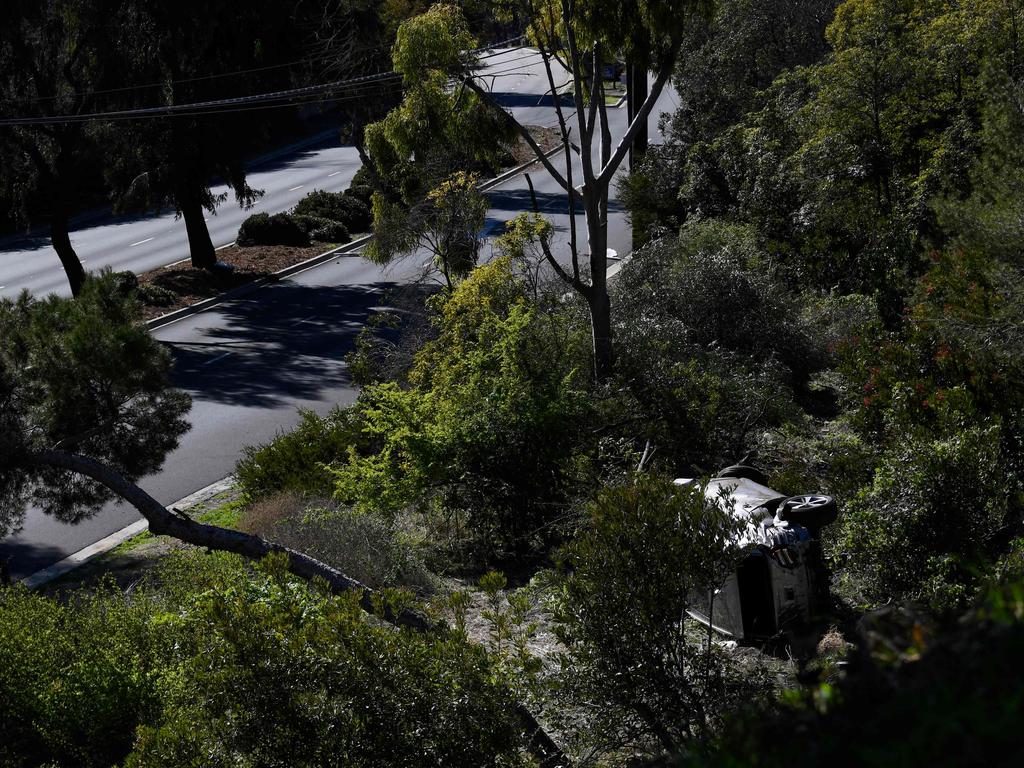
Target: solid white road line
141	242
298	187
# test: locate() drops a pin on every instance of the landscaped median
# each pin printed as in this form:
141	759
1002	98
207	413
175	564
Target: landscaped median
167	291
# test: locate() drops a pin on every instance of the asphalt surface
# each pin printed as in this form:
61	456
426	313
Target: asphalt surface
250	364
142	243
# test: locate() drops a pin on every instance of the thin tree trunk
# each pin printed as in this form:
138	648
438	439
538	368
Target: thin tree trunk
60	239
165	523
597	300
199	243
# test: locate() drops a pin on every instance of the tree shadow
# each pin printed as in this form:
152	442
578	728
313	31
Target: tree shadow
510	99
550	203
284	343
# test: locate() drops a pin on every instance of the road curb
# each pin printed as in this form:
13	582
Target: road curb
245	290
82	556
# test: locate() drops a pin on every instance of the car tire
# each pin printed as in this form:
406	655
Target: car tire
744	472
811	510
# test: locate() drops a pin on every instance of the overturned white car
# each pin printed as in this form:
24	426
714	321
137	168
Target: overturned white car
781	582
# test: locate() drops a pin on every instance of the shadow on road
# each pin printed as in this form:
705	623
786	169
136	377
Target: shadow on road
509	99
550	203
283	344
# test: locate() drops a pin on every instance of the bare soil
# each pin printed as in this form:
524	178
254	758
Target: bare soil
192	285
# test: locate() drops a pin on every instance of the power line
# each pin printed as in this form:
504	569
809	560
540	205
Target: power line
199	78
237	73
220	106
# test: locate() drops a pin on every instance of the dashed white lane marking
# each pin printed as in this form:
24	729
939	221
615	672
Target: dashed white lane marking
298	187
333	174
141	242
2	287
219	357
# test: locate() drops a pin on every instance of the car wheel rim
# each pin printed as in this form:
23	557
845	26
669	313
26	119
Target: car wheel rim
809	502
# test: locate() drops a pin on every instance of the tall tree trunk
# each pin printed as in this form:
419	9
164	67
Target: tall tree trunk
60	239
200	246
597	299
163	522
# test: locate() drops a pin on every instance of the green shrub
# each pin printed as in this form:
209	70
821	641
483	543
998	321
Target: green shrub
258	670
620	604
216	663
153	295
342	207
494	426
73	686
276	229
362	192
921	530
310	223
126	283
294	461
331	232
711	349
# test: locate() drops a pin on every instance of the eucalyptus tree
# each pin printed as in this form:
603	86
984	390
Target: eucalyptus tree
573	37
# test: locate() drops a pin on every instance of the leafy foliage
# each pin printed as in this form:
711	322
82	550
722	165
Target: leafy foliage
80	375
490	423
71	686
295	460
342	207
219	665
711	347
272	229
628	579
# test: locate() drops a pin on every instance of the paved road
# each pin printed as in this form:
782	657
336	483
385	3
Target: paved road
250	364
142	243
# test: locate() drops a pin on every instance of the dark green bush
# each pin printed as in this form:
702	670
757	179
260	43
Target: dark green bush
362	192
254	669
156	295
126	283
293	461
215	663
72	680
310	223
921	529
711	348
276	229
331	232
342	207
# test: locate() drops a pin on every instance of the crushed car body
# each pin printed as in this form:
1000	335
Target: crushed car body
780	582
